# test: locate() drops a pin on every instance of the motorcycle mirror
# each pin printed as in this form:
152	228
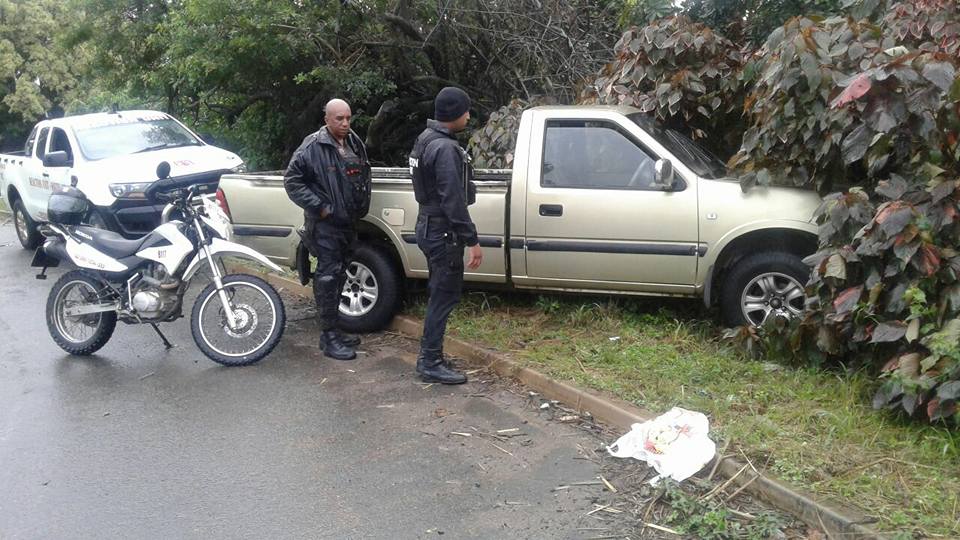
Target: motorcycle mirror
163	170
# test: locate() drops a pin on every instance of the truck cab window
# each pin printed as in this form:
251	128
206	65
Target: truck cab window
591	154
42	143
28	147
60	142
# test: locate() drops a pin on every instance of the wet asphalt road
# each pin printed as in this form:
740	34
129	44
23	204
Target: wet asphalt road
140	442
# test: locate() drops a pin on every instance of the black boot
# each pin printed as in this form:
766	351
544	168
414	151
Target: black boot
334	348
432	368
348	340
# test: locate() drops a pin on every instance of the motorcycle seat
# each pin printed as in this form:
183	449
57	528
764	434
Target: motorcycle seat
110	243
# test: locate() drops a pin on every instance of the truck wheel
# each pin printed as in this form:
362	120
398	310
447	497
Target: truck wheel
371	294
764	285
25	226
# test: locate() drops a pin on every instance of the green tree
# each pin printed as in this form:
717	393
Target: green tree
749	22
682	72
36	69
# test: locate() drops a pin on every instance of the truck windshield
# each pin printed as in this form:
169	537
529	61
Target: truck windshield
694	156
106	141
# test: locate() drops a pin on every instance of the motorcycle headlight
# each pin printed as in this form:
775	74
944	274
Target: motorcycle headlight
129	191
241	168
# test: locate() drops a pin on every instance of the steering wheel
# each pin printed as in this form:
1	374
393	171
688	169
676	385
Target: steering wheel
644	170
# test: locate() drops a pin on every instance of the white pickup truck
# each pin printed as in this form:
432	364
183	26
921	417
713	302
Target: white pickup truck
111	158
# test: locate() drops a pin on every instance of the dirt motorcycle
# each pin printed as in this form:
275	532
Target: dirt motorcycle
236	320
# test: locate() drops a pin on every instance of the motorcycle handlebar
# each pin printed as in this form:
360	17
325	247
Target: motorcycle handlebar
155	192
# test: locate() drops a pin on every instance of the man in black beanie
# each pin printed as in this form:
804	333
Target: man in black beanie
442	185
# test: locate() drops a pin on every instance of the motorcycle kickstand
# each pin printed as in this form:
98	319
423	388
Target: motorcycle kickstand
166	343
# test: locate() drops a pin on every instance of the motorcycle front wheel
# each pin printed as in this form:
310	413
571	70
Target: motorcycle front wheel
79	334
259	317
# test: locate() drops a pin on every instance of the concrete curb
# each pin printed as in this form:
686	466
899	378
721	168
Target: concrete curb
623	415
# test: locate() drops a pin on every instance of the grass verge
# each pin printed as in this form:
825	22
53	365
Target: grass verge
811	427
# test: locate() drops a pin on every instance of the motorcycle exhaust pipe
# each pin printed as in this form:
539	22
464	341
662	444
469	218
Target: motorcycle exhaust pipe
56	248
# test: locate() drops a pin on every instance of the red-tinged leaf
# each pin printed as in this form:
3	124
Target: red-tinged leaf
949	214
933	409
895	221
909	365
907	235
886	210
856	90
888	331
929	260
892	364
847	300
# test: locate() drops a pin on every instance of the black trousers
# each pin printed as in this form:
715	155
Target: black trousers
332	245
445	263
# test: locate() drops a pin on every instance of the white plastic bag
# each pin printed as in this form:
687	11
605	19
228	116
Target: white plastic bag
676	444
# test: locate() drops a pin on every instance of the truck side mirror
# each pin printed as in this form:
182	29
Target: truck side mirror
663	174
56	159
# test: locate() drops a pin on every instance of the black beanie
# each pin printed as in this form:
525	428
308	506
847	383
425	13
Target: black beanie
450	104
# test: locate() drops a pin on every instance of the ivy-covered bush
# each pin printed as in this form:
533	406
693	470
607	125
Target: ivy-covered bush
492	145
872	107
682	72
840	102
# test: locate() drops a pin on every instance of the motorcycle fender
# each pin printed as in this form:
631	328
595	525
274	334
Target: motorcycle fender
228	249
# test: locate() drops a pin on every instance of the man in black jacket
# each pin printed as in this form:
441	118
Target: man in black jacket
329	177
442	185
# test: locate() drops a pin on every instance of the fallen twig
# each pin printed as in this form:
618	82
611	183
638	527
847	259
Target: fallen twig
660	528
741	488
724	485
824	527
501	449
716	462
598	508
608	484
886	459
741	514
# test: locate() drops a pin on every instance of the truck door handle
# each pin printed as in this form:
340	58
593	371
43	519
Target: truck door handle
46	175
551	210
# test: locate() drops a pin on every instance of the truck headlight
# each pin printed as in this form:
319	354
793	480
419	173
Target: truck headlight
241	168
129	191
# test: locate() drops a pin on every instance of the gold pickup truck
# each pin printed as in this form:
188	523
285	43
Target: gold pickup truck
600	200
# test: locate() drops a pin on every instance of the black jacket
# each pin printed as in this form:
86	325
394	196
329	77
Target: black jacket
441	179
316	179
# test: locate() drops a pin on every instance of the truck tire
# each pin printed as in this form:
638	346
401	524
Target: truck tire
26	228
762	285
371	295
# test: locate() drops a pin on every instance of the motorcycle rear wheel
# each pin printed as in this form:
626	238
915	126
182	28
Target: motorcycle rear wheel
79	335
